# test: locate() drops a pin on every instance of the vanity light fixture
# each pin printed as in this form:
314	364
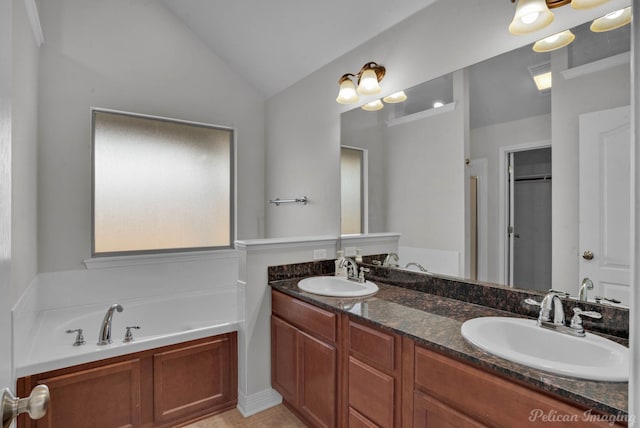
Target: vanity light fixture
534	15
397	97
368	78
611	21
530	16
373	106
555	41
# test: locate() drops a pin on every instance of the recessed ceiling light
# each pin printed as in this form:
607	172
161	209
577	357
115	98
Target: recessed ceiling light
543	81
437	104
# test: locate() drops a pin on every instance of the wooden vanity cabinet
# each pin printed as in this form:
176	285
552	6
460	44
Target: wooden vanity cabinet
304	359
337	370
161	387
373	365
450	393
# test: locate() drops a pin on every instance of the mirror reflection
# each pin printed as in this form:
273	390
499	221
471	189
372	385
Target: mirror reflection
488	177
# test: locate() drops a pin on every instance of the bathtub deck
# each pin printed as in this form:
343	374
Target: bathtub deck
164	321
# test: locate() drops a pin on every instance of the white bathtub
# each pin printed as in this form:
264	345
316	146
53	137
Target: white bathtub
163	321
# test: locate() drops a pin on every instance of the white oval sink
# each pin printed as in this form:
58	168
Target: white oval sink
337	287
522	341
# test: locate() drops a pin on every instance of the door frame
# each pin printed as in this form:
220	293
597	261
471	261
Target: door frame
480	168
503	201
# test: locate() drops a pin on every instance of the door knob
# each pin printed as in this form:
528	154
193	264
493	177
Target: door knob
35	404
587	255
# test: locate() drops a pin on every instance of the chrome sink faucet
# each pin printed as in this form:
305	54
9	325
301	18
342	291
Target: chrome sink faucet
352	268
550	302
105	329
391	260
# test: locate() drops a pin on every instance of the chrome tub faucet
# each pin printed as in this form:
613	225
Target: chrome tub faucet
105	329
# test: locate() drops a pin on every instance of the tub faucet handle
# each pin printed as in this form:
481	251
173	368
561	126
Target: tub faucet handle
128	336
79	337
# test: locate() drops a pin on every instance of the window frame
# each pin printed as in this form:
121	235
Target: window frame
165	251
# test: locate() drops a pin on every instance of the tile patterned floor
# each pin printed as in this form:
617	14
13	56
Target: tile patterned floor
275	417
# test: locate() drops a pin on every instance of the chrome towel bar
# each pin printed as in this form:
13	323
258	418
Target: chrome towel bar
278	201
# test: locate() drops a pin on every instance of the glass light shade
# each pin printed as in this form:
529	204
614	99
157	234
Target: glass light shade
373	106
347	94
586	4
611	21
398	97
530	16
554	42
369	84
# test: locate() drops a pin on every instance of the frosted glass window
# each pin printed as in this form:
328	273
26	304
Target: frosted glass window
351	171
160	185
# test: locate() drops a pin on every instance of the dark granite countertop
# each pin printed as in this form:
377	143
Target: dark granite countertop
434	322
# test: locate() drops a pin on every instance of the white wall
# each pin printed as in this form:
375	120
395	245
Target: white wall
425	163
6	20
303	121
131	56
486	143
570	98
24	233
363	129
634	319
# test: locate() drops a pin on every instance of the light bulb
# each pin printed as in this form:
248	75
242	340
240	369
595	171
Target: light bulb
369	83
347	94
530	17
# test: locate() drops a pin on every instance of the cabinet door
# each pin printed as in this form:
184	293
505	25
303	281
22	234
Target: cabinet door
193	380
372	393
284	360
107	396
430	413
318	387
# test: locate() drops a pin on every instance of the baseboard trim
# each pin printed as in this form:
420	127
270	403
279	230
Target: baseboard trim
251	404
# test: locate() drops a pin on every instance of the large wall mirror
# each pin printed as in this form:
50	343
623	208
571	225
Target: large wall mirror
488	177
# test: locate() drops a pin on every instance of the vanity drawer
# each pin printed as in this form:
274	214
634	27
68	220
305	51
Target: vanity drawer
313	320
371	393
372	346
487	398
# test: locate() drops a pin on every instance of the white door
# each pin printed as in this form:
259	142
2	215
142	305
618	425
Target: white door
605	202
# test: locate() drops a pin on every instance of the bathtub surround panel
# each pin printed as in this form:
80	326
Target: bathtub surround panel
198	294
214	271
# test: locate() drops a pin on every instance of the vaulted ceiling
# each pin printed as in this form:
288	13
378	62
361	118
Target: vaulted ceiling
273	44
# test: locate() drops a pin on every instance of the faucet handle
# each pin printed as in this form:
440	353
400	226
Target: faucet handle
128	336
532	302
79	337
361	274
576	320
